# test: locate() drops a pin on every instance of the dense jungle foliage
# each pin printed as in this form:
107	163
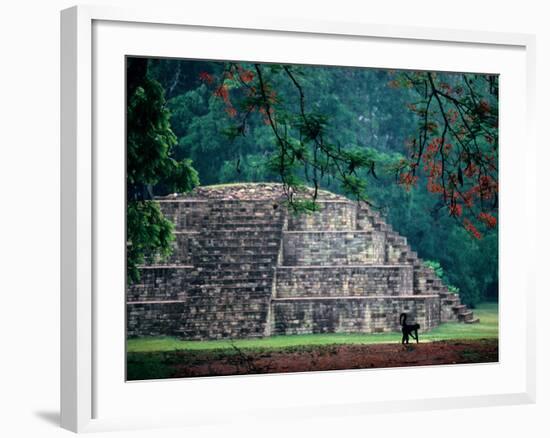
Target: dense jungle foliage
421	147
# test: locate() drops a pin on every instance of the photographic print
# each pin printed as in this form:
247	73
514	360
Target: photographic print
294	218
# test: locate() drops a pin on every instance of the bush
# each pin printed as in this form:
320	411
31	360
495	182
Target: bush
438	269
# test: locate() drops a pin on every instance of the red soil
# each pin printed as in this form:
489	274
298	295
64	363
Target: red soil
333	357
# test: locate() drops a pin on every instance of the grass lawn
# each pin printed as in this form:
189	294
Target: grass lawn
487	328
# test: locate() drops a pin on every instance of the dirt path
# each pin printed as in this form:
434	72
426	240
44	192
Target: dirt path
337	357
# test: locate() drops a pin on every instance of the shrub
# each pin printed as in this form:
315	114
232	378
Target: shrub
438	269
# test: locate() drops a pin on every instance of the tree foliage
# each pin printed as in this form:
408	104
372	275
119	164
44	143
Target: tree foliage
150	164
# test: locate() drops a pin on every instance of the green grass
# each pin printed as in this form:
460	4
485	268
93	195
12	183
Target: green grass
487	328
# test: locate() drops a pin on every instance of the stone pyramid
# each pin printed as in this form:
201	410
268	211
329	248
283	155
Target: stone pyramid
244	266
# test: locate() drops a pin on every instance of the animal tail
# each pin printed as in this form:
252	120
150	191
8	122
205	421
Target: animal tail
403	318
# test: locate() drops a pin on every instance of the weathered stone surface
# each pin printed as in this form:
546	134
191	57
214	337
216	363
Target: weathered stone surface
333	216
333	247
161	282
244	266
343	281
357	314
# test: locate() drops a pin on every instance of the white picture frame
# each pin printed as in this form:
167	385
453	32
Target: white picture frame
84	30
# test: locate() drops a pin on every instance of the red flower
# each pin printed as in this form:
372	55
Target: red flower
487	186
489	139
434	187
489	220
484	106
232	112
246	76
468	199
452	115
472	229
446	87
206	77
455	210
223	93
471	170
408	180
434	145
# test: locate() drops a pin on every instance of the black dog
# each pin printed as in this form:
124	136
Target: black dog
408	329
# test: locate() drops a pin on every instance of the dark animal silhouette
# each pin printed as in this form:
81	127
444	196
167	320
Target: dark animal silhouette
408	329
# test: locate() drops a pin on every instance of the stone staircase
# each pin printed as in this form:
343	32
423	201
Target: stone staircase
243	266
425	279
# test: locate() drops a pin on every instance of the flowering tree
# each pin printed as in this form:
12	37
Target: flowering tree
456	144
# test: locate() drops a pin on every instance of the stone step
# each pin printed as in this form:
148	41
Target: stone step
207	278
215	268
235	252
243	205
235	279
234	265
222	281
246	283
249	214
444	294
472	321
215	248
267	230
465	315
249	292
253	242
209	223
225	300
221	297
225	262
397	241
273	229
434	283
238	218
235	239
242	228
240	207
224	273
235	259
